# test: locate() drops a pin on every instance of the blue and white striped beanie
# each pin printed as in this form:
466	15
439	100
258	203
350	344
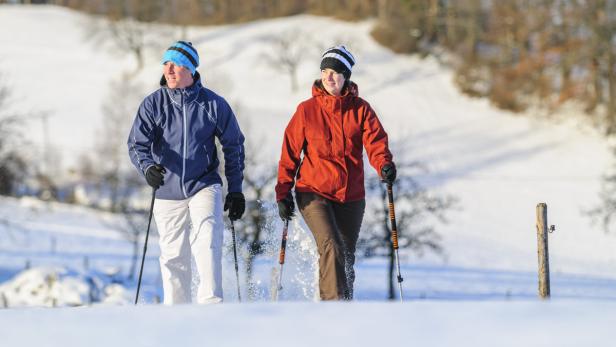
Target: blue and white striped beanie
339	59
184	54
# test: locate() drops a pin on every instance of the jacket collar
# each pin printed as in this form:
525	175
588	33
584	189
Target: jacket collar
349	90
188	94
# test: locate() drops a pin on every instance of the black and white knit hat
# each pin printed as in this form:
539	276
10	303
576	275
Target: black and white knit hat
339	59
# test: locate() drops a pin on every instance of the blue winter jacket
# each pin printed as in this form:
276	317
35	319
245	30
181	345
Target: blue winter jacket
176	129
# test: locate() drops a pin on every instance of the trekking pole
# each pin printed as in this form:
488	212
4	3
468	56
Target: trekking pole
394	234
283	247
237	271
145	244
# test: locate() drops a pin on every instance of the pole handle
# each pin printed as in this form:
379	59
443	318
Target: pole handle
283	246
237	271
283	243
392	216
394	235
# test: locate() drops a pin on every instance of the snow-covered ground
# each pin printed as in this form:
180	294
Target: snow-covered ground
439	324
499	166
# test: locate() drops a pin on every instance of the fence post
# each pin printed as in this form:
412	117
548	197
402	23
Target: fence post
542	251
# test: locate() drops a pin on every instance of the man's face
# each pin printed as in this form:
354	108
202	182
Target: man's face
177	76
332	81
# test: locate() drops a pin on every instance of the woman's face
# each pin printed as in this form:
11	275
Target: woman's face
332	81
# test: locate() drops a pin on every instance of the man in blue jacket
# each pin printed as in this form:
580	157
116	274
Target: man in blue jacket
172	144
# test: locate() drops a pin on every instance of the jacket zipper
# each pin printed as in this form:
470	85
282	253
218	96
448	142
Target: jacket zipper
185	135
346	182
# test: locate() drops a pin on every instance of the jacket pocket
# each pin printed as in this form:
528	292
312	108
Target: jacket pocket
210	159
207	156
320	144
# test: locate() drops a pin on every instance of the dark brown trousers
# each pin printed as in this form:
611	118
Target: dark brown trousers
335	227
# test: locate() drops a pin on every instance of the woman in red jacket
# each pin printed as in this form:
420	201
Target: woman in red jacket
331	129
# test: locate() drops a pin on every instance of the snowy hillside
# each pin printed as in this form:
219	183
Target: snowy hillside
497	164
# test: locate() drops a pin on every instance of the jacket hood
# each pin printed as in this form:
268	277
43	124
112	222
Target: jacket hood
349	89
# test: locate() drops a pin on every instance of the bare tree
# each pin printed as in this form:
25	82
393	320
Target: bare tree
16	164
259	176
133	222
135	219
112	166
287	51
111	172
602	21
12	163
252	232
416	210
605	211
124	35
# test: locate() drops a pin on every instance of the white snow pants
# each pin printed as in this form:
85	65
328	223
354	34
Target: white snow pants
178	243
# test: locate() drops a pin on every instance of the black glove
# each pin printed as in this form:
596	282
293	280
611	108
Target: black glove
154	175
286	207
236	204
388	173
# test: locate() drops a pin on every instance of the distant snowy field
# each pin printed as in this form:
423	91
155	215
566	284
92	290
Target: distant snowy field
497	164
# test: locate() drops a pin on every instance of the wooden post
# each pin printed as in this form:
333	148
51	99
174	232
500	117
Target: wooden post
542	251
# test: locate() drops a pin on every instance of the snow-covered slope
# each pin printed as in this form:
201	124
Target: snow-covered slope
499	166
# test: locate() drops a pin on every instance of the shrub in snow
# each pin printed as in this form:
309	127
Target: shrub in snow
117	294
57	286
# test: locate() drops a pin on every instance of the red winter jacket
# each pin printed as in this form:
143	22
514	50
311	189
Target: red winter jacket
331	131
